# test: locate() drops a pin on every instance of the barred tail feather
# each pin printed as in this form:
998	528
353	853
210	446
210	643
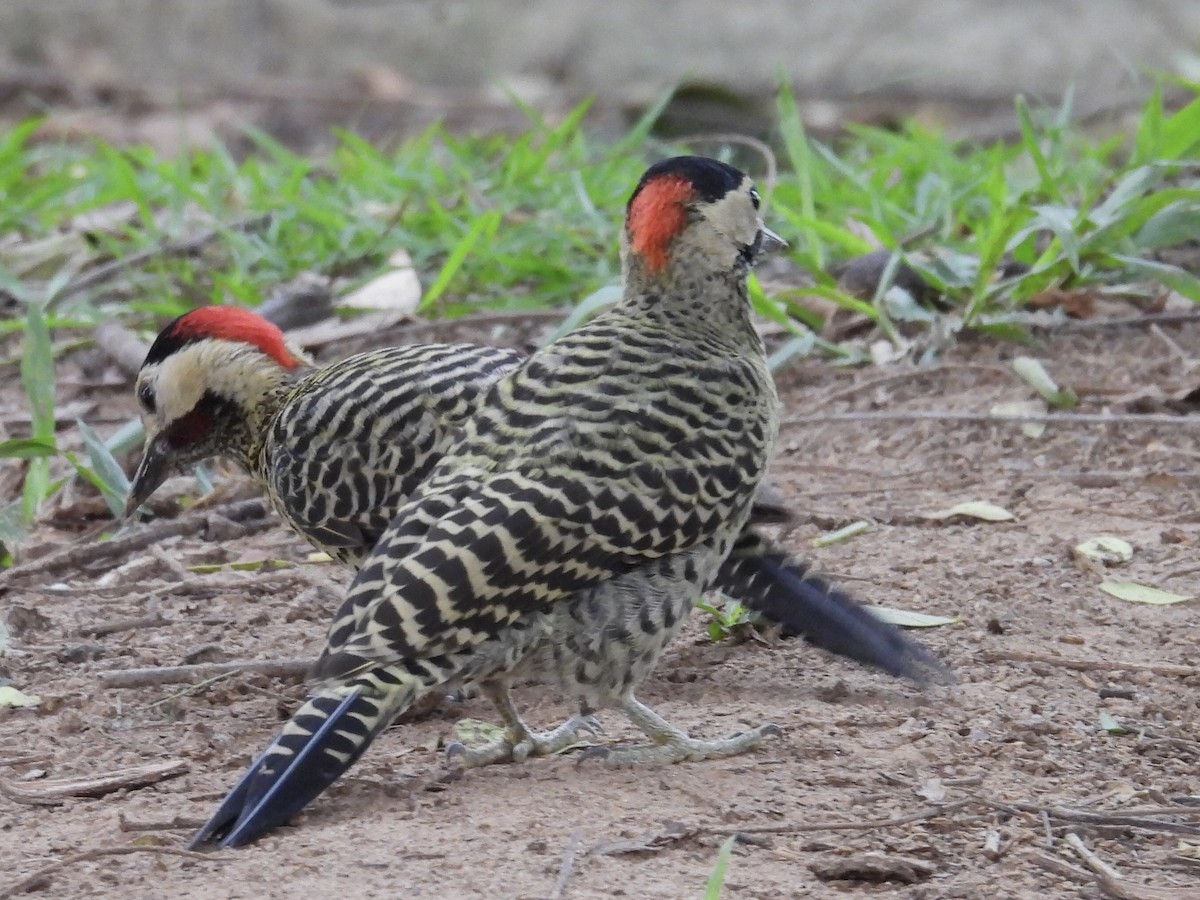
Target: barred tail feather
320	742
783	591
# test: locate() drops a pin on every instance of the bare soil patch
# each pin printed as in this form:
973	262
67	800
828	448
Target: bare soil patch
976	787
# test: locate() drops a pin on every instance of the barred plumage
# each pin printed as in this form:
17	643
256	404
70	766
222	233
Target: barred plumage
563	532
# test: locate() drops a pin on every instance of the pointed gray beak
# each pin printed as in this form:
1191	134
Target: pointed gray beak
151	472
769	242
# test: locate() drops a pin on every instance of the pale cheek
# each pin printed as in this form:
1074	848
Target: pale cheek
179	390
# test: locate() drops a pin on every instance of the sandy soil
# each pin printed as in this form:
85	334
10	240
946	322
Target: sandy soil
959	791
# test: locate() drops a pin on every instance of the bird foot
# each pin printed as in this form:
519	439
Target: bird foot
519	747
677	747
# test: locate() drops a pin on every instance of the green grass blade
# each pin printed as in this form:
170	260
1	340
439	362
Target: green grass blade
27	448
1175	278
717	879
37	375
103	462
1032	145
1181	133
799	152
1148	137
483	228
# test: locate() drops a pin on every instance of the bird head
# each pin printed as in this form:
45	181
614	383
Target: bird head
696	208
203	388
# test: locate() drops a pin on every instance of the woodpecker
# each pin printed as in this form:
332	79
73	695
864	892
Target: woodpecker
339	449
508	559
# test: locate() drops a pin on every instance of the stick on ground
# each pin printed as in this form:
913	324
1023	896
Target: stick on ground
160	675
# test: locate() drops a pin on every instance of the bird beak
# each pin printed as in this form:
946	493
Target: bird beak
769	242
151	472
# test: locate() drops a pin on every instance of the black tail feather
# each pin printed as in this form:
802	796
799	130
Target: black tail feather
324	738
783	591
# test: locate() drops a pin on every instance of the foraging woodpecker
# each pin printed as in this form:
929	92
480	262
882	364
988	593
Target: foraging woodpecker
593	490
339	449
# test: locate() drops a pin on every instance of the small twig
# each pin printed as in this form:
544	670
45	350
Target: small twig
862	387
189	690
1091	860
170	563
1092	665
1058	866
55	792
941	415
177	823
568	865
41	877
23	759
927	812
1163	318
160	675
81	556
1088	817
1113	884
1048	827
114	626
1178	352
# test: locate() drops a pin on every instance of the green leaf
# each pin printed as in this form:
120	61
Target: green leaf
842	534
1035	374
1181	133
799	152
37	374
1173	277
1032	145
27	448
476	732
1109	723
717	879
12	698
1107	549
975	509
1133	592
1062	221
483	228
903	618
1173	224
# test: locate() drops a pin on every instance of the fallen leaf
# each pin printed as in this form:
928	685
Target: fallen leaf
12	698
975	509
1110	724
1133	592
1188	851
1108	549
932	790
476	732
842	534
397	290
1035	374
903	618
1021	408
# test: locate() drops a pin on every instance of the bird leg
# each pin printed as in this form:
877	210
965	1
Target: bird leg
518	741
672	745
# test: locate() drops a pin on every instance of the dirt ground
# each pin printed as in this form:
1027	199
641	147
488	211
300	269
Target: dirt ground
970	790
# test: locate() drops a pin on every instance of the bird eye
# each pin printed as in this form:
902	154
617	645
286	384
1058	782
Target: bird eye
145	397
754	198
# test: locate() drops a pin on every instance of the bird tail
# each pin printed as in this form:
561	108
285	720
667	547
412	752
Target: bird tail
320	742
785	592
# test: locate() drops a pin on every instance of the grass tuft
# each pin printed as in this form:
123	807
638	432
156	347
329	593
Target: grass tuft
532	221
